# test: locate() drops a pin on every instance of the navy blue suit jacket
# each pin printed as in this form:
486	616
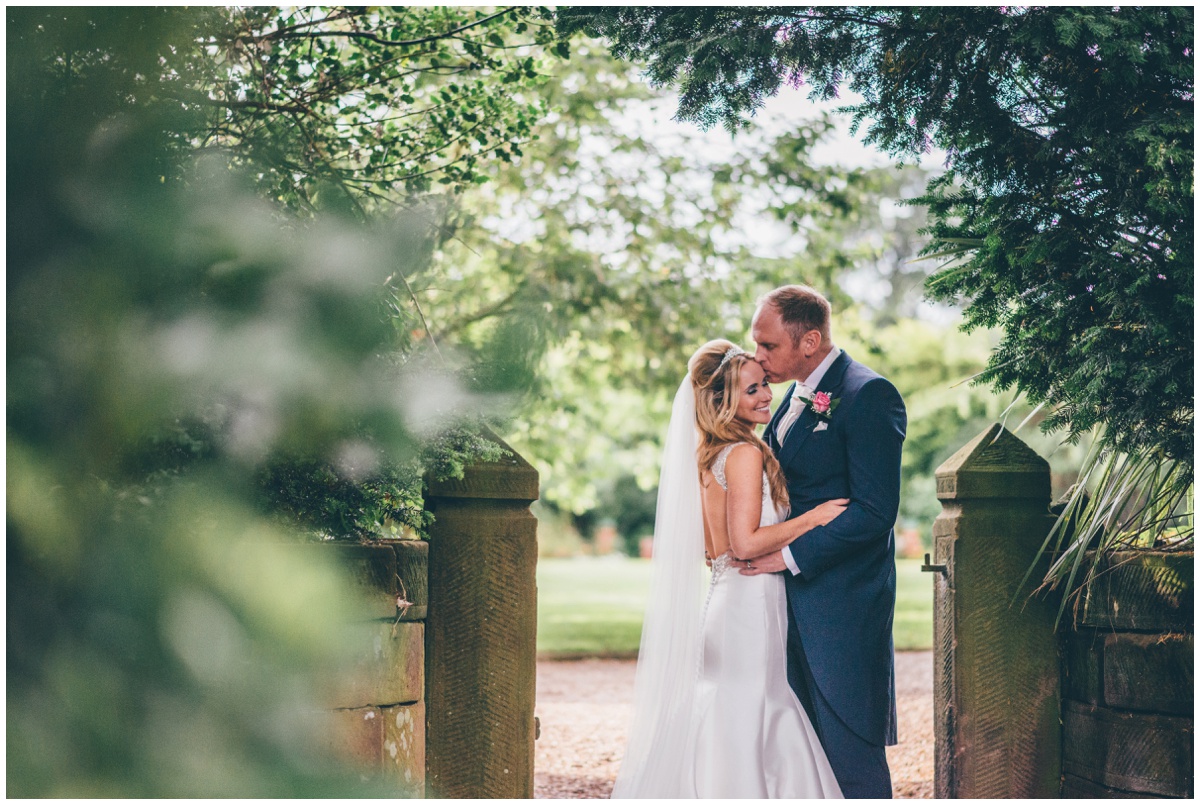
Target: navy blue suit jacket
844	599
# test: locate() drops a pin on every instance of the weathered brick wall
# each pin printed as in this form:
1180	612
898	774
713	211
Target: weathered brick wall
1128	679
378	698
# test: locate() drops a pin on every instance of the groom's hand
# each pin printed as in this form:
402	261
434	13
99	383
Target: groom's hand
767	563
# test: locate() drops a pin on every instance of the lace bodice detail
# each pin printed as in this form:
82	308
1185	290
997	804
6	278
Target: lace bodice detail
718	471
719	566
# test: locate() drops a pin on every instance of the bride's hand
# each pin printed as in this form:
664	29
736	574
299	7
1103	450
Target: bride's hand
827	511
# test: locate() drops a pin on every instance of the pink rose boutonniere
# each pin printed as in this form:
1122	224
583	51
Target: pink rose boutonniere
822	404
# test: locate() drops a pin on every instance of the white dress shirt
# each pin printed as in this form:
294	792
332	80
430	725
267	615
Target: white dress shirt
790	416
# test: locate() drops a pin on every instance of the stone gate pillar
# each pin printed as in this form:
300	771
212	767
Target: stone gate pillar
996	665
481	633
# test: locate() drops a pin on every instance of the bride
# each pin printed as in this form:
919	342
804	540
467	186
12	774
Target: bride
714	715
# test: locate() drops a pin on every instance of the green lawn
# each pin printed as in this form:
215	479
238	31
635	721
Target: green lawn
913	627
592	606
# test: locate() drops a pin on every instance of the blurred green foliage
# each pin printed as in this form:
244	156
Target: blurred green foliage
630	508
362	493
199	82
172	332
336	108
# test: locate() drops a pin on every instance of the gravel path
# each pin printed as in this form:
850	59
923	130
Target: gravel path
584	708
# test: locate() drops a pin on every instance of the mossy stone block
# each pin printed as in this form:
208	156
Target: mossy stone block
1153	672
357	737
383	664
1141	591
404	748
1078	788
412	573
1082	653
1140	753
372	571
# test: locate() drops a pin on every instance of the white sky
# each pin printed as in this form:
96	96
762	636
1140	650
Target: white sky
780	113
766	235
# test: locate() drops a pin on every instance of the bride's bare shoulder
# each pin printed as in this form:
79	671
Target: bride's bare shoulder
745	462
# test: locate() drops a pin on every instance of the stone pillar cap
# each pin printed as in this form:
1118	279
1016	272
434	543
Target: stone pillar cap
509	478
995	464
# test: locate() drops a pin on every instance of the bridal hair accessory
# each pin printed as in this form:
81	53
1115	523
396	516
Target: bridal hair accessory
730	353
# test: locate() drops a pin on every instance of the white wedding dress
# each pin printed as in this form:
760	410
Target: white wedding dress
732	727
753	737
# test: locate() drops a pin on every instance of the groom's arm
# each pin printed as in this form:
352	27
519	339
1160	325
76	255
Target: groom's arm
873	443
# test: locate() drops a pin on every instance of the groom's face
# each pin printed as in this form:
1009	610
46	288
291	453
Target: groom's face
780	357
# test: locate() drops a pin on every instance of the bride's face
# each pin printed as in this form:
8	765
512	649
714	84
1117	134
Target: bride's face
754	403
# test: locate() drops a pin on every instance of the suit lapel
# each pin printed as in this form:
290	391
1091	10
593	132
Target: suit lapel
831	383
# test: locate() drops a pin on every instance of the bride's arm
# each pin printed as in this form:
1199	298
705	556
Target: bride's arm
708	537
743	508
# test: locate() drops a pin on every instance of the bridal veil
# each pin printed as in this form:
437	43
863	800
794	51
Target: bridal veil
661	735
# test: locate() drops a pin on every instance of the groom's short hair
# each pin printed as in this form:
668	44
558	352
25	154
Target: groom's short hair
801	309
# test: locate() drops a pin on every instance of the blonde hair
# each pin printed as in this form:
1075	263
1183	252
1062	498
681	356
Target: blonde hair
715	383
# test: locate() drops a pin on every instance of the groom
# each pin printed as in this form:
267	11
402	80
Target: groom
838	434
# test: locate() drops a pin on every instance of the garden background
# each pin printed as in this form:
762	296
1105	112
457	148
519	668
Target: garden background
269	269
